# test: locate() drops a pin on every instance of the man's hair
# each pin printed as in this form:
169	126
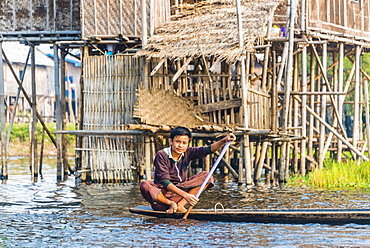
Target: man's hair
178	131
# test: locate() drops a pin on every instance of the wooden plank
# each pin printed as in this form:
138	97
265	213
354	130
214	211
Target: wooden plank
209	107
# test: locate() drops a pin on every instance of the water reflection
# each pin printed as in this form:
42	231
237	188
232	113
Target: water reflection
50	214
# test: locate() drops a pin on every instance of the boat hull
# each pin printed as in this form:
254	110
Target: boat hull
294	216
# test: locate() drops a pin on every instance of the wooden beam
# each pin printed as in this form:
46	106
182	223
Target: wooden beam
209	107
157	67
331	129
183	67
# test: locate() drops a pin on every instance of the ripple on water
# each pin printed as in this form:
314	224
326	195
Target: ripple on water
50	214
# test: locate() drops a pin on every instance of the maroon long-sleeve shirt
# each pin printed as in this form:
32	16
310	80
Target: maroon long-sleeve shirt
166	168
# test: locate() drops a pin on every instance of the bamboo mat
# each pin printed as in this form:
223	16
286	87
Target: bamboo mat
161	107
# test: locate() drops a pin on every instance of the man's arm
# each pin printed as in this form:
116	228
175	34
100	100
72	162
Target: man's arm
217	145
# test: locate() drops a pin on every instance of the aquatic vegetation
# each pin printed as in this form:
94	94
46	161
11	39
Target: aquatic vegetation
336	175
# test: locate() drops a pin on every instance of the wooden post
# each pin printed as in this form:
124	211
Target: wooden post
63	110
356	107
260	162
273	163
367	114
58	111
148	159
331	129
33	136
80	116
243	82
289	68
304	111
274	96
144	39
241	163
4	167
144	24
296	117
312	106
323	108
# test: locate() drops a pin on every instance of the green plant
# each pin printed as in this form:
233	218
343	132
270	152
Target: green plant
337	175
21	132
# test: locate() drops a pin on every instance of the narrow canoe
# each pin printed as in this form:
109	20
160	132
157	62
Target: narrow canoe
293	216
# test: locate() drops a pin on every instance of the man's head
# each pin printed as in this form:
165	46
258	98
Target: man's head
179	140
180	131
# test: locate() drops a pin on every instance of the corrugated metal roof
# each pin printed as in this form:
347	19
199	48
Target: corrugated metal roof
17	53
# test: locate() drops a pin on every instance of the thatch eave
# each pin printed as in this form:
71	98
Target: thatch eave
212	30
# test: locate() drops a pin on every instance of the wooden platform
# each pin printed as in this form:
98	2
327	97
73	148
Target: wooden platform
293	216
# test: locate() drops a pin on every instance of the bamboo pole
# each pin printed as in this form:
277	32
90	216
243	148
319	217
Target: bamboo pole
340	88
148	160
304	112
274	96
17	99
63	112
328	87
367	115
41	152
356	107
289	46
33	136
289	68
27	97
241	163
80	114
244	84
295	116
260	163
312	106
331	129
323	107
58	111
4	166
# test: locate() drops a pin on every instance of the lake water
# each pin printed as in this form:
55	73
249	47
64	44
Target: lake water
51	214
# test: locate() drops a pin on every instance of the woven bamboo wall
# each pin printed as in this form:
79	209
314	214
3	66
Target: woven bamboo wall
114	17
339	16
217	95
39	15
110	84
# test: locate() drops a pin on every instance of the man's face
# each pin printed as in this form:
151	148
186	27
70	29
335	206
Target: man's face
179	144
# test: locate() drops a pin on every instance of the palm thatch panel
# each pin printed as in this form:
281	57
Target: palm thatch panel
211	29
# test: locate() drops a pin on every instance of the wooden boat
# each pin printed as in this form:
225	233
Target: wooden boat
294	216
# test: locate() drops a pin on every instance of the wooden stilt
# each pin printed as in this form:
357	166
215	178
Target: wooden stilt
323	108
296	117
148	159
260	163
302	167
356	107
4	166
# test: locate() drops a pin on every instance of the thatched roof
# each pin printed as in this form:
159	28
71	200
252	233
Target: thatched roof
210	29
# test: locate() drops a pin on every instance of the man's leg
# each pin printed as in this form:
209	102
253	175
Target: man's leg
173	206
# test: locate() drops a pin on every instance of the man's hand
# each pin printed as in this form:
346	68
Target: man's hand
191	199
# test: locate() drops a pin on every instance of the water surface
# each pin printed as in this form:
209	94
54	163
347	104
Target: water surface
51	214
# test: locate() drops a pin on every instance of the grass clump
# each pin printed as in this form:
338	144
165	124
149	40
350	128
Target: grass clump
336	175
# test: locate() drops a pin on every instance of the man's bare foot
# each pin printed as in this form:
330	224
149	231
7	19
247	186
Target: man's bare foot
181	209
172	209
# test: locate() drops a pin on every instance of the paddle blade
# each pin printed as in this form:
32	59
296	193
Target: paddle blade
187	213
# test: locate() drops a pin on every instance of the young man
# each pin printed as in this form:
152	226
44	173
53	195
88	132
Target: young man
172	189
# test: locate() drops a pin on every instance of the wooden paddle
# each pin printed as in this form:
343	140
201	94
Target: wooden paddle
208	176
